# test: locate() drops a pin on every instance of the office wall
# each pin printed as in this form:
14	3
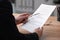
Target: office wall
36	5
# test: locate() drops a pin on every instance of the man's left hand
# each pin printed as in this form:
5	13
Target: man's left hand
22	18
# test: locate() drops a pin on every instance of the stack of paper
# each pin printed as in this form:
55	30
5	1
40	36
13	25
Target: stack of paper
39	17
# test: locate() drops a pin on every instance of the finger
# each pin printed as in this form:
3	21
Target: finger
24	14
39	32
37	29
25	17
41	28
25	21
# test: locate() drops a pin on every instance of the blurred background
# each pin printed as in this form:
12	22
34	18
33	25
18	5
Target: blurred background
51	29
30	5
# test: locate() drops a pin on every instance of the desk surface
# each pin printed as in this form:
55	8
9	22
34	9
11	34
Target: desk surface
51	29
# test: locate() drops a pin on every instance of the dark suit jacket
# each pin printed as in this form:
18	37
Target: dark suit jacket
8	29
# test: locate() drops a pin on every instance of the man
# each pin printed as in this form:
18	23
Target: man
8	28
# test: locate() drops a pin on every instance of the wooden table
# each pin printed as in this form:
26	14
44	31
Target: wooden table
51	29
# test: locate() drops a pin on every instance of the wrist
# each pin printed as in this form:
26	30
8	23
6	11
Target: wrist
17	21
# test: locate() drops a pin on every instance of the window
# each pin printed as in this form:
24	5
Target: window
25	5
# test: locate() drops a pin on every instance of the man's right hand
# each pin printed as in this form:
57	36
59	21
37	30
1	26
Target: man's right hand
39	31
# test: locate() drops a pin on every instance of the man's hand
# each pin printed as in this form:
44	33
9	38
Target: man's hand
22	18
39	31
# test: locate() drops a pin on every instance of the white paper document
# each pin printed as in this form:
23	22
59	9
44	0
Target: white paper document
39	17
